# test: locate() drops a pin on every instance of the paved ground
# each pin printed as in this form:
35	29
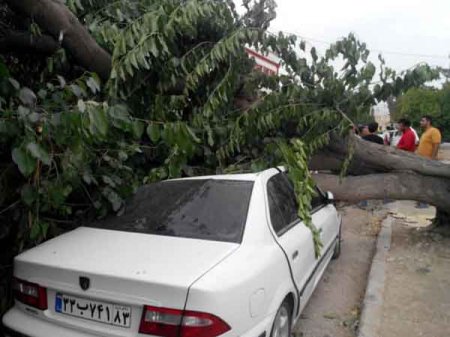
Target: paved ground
444	153
417	285
334	308
417	293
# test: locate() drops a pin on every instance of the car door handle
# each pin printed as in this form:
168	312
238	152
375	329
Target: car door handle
295	255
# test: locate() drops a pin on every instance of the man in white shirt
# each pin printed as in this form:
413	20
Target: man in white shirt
417	136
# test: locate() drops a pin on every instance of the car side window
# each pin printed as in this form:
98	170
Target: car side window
282	202
318	200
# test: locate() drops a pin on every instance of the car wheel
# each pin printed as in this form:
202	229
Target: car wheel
282	323
337	247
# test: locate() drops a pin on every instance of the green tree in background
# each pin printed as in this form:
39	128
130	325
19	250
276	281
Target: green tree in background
443	121
417	102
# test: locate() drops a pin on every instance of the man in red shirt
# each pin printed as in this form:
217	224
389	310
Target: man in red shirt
408	140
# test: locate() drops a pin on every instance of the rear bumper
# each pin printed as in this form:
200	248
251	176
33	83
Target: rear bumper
20	324
11	333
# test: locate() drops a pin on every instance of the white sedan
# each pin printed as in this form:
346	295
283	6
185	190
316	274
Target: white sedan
198	257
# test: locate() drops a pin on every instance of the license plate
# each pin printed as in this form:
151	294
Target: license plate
108	313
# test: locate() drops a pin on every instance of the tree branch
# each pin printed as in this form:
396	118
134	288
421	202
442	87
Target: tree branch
59	22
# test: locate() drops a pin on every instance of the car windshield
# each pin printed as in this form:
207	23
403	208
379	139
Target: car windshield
202	209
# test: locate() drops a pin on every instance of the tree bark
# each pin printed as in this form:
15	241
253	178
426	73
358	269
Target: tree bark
398	186
442	218
58	21
25	42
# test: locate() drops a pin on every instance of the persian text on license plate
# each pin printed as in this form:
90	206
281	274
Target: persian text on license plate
118	315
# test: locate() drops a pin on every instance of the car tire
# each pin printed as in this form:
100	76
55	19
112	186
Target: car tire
337	247
283	321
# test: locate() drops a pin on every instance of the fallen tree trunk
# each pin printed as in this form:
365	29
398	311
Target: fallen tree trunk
397	186
369	157
380	172
59	22
442	218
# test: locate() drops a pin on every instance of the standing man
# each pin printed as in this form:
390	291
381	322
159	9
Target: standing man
430	140
369	134
408	140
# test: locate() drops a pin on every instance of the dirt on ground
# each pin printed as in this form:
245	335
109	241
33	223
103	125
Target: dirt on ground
444	152
417	285
334	308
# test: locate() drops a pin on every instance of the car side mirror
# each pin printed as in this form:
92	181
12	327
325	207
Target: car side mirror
330	197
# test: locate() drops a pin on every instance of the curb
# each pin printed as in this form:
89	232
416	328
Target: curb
372	311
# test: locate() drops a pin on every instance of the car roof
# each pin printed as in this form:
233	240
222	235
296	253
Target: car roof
238	176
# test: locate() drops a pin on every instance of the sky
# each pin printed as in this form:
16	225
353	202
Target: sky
406	32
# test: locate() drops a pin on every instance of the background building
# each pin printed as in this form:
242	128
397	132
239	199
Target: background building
380	113
268	64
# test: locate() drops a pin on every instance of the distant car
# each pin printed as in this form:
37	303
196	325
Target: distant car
392	137
209	256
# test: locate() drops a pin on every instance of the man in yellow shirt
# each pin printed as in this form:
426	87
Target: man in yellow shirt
430	140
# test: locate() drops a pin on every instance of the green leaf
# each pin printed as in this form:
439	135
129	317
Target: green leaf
81	105
29	195
3	70
153	131
153	48
35	231
210	136
22	111
62	81
113	74
38	152
44	229
76	90
114	199
57	193
14	83
138	129
193	135
27	97
98	121
88	178
314	54
123	156
108	181
34	117
25	162
93	85
133	61
303	45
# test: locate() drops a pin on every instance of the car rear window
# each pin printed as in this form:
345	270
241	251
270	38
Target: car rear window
202	209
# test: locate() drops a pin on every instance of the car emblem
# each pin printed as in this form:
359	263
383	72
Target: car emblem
84	282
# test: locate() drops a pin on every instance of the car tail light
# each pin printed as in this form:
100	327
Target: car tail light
30	293
179	323
196	324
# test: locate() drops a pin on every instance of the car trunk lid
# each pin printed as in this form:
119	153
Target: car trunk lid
125	268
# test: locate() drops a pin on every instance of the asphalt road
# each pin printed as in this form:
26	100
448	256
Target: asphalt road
334	308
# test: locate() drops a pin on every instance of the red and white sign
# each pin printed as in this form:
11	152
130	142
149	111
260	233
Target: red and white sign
268	64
